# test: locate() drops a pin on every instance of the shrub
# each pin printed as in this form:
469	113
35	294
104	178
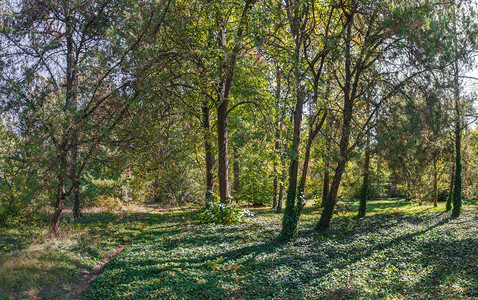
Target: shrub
220	213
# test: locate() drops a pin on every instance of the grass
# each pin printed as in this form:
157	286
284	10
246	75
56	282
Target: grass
32	265
400	250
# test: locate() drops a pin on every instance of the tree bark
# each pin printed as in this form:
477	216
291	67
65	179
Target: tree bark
435	181
224	88
457	189
279	198
236	171
278	128
365	185
74	196
274	187
450	193
209	157
62	176
289	222
223	151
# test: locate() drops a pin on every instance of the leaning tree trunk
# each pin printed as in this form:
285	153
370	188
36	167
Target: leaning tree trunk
312	135
289	222
349	92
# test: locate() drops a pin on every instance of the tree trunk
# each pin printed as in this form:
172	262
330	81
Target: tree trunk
274	186
457	189
209	158
305	167
224	91
326	184
55	221
223	152
365	185
279	198
289	222
349	92
450	193
236	170
435	181
60	197
74	196
366	171
278	127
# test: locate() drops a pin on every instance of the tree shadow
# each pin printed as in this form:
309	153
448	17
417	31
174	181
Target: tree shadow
225	263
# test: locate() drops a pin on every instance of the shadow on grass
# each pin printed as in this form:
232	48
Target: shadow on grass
232	262
451	260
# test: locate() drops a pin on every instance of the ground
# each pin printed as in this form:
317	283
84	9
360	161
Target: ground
400	250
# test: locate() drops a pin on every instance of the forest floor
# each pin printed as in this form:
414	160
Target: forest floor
400	250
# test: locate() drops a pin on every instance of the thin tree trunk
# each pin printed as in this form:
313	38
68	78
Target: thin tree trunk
449	199
70	109
349	95
236	170
305	167
457	189
366	172
280	197
60	194
274	187
277	135
435	181
74	196
326	184
289	222
365	185
209	158
326	180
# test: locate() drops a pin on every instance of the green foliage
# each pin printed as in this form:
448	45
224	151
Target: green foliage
220	213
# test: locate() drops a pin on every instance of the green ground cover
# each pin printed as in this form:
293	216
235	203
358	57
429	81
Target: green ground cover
400	250
34	266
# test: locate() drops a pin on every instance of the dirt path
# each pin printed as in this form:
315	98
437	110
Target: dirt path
90	275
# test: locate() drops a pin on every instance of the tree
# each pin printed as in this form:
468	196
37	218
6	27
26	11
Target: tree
68	80
306	32
370	33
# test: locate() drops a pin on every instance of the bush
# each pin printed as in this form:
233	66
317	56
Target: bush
220	213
